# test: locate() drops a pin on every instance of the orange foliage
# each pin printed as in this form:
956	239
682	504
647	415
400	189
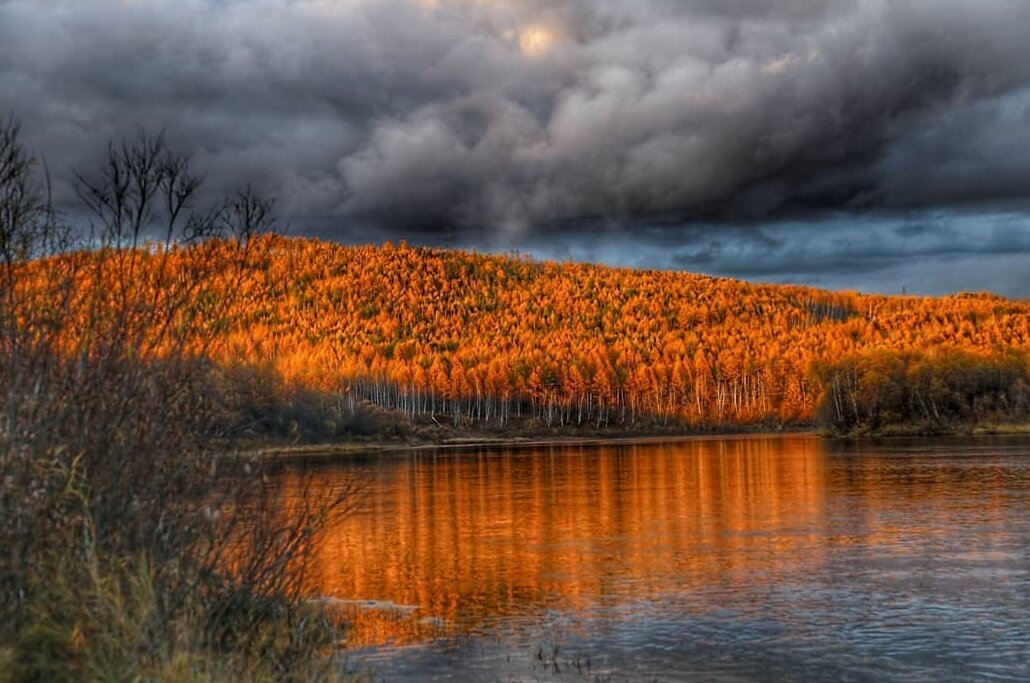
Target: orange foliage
426	328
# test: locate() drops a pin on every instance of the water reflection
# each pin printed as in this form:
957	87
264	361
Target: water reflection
747	543
473	537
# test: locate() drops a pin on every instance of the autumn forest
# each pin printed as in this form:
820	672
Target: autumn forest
471	338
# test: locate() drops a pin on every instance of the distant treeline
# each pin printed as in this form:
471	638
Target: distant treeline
893	392
256	403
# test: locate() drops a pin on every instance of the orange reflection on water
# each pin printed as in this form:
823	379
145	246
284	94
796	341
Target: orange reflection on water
461	540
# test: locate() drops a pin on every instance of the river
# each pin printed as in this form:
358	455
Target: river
713	559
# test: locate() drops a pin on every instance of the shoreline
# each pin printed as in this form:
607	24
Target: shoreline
504	442
388	447
926	431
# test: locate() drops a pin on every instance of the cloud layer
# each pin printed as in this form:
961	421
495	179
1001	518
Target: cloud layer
513	119
935	254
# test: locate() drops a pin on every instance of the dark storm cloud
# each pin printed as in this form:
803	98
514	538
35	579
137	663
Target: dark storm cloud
692	113
512	119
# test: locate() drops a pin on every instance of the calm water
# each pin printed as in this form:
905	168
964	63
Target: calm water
783	558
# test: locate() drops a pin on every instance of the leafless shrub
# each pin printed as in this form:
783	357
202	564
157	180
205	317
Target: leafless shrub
107	408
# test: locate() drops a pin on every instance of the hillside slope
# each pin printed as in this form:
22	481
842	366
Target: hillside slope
478	336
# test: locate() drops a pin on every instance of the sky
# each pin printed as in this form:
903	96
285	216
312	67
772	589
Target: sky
879	145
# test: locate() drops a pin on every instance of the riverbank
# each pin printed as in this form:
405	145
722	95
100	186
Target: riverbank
369	445
354	447
920	429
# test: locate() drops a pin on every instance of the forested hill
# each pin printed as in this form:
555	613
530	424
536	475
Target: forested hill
451	332
487	339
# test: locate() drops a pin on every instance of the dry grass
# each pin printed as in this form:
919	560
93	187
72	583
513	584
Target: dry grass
131	548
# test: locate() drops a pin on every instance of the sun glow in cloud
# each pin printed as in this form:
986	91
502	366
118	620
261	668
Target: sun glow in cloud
536	39
512	21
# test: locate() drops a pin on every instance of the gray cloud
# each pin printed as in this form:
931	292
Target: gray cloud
931	254
510	119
